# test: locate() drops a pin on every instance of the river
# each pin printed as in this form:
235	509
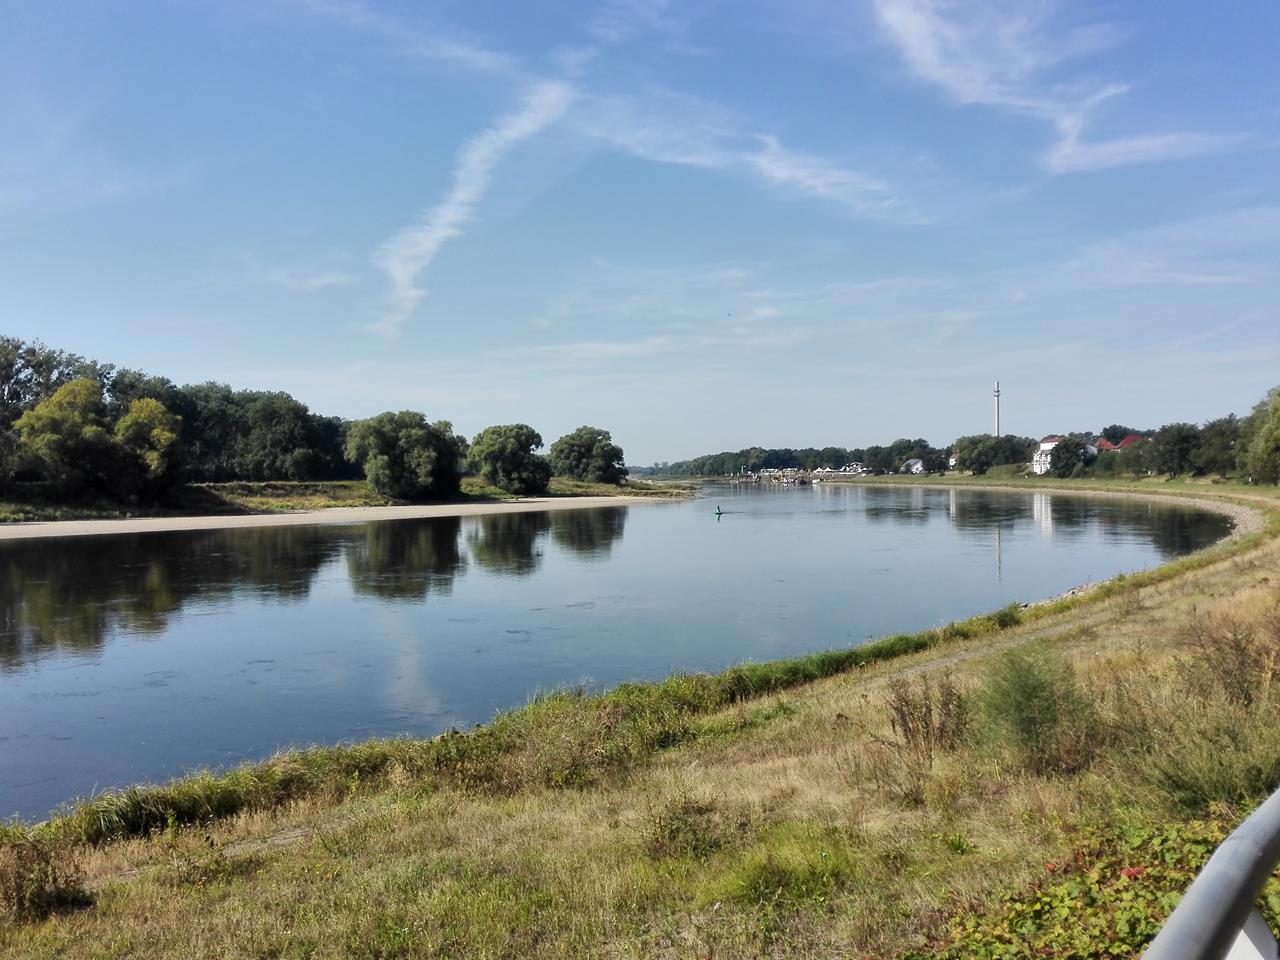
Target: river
127	659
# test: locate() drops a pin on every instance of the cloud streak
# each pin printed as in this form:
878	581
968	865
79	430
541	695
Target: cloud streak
301	280
430	45
667	127
404	256
997	56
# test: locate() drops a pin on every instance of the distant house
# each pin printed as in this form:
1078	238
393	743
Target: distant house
914	465
1106	446
1043	457
1129	441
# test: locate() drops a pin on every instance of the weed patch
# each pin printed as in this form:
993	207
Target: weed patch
1109	897
37	878
689	826
792	865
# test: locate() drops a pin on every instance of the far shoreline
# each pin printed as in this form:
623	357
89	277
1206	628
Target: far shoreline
51	529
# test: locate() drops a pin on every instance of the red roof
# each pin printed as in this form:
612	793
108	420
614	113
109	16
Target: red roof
1105	444
1129	441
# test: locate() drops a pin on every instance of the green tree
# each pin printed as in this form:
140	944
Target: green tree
1216	452
149	436
504	457
32	372
1174	448
1117	432
977	454
1069	453
588	453
125	386
406	457
67	435
1261	460
1137	459
280	440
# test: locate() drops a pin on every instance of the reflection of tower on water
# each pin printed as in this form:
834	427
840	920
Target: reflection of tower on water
999	554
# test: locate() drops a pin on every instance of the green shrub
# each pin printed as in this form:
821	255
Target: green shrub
1219	752
1007	617
1034	705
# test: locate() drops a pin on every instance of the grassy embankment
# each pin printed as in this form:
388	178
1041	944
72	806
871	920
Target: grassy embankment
1039	782
208	499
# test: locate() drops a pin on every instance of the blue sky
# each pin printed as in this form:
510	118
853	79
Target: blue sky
701	225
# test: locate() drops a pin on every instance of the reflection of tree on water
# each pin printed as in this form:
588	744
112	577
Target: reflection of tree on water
508	542
589	533
981	510
899	512
1174	531
71	595
406	559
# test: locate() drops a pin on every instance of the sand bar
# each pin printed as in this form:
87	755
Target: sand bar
332	515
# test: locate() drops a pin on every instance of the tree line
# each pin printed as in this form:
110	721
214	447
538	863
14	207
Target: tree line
81	427
1246	446
879	459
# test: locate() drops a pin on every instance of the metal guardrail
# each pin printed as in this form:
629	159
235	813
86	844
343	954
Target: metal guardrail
1216	919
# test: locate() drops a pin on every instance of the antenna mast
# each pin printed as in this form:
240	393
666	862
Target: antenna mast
996	396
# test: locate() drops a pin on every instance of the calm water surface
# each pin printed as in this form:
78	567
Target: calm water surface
135	658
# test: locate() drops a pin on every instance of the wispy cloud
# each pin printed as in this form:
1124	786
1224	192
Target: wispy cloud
594	351
615	20
819	178
302	280
431	44
1224	249
998	55
658	125
664	126
403	257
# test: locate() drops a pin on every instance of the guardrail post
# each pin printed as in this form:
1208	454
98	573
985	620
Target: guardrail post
1256	941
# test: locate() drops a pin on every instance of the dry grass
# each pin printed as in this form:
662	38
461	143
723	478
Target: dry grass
849	816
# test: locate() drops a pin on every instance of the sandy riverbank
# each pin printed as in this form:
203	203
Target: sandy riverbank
332	515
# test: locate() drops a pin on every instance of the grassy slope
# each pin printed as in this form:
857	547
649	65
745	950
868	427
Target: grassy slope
706	818
284	497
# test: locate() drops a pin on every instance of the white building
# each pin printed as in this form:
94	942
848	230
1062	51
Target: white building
1043	456
914	465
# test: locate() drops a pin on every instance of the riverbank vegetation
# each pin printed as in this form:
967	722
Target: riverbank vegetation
79	438
952	793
